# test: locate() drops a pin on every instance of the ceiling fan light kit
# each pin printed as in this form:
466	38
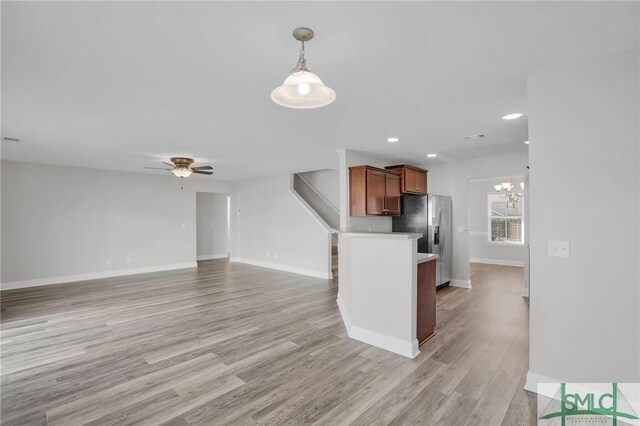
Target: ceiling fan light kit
181	167
302	89
182	172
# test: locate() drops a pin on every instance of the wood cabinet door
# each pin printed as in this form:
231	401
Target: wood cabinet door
431	295
375	192
426	309
415	181
392	192
422	328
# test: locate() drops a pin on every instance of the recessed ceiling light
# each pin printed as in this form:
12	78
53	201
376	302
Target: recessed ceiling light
512	116
393	140
432	155
526	142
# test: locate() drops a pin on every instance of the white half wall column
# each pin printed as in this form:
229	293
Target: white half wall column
377	294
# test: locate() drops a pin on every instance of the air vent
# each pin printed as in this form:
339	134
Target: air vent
4	138
475	137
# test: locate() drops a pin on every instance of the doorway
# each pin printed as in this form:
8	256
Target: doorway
497	223
213	225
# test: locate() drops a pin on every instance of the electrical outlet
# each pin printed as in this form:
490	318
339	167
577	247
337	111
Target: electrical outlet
559	248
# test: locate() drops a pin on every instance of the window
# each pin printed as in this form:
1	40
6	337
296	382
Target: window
505	220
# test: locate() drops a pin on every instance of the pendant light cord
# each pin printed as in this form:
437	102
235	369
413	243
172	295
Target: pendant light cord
302	61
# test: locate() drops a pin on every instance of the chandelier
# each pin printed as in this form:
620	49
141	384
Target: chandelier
507	190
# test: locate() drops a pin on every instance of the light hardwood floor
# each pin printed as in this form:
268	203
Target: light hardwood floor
235	344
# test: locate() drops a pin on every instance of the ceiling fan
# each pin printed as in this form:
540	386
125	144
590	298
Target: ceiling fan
181	167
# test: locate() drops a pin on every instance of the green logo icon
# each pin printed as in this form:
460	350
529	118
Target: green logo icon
613	405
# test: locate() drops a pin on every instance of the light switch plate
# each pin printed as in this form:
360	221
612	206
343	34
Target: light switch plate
559	248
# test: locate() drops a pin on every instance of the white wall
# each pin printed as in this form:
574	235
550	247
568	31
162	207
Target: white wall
585	188
211	226
63	224
480	248
451	178
327	183
349	158
377	294
275	230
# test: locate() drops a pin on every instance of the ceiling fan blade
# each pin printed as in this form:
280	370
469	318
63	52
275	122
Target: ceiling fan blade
200	172
156	168
168	164
202	168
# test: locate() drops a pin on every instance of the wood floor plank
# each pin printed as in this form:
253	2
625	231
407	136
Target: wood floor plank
394	402
522	408
94	406
228	343
421	409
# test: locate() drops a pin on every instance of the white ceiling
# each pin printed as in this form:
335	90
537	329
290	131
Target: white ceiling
123	85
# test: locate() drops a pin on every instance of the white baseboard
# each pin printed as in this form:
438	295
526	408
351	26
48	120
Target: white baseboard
460	283
499	262
95	275
286	268
212	256
344	314
391	344
534	379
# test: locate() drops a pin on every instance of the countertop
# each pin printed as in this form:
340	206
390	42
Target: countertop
398	235
425	257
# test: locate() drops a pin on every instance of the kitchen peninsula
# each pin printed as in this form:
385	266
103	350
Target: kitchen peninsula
384	300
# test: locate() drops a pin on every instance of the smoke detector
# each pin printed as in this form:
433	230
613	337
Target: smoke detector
475	137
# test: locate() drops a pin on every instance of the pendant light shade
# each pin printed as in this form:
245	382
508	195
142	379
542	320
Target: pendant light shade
302	89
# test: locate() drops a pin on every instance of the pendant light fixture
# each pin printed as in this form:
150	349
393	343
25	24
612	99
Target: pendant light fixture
302	89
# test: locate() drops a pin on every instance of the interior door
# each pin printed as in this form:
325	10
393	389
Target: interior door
375	192
392	193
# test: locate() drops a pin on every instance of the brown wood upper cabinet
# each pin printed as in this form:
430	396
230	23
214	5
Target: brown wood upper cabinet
413	180
374	191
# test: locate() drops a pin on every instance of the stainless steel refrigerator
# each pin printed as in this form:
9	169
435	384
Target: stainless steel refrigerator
429	215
